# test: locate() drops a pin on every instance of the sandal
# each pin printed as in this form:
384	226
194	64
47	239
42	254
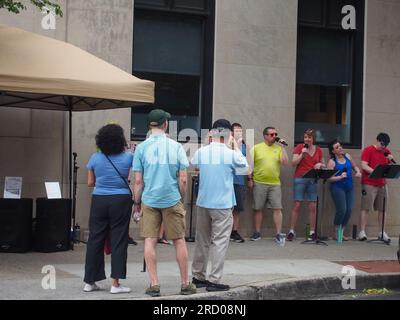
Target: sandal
163	241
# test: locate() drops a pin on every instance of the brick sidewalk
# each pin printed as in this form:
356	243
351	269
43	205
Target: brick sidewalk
377	266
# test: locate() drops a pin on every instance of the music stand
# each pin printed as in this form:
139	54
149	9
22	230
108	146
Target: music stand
194	181
386	171
318	174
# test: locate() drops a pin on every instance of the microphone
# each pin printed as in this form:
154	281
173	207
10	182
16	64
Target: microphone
391	160
306	145
74	154
281	141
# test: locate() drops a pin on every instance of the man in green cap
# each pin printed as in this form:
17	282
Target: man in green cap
160	183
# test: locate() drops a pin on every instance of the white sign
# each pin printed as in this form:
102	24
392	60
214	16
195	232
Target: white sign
12	187
53	190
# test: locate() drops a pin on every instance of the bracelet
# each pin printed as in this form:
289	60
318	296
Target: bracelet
137	203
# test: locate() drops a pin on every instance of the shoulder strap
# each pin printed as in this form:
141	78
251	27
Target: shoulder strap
126	182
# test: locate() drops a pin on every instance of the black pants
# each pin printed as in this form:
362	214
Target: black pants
109	215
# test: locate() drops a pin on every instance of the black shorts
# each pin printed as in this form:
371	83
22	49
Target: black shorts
240	194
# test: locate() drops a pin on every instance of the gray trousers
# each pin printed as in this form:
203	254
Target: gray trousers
213	230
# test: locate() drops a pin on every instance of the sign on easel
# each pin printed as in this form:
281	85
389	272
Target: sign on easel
53	190
12	187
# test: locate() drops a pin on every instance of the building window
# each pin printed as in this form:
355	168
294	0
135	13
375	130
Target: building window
329	72
174	47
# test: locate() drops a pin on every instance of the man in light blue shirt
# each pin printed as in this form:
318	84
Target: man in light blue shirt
160	183
216	198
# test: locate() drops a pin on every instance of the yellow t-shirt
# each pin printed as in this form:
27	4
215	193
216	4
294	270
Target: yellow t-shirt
267	163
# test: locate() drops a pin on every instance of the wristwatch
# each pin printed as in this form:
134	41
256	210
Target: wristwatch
137	203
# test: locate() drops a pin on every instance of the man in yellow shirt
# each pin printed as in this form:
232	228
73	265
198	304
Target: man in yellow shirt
268	156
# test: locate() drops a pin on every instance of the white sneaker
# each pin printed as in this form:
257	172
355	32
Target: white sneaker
90	287
385	237
120	289
362	236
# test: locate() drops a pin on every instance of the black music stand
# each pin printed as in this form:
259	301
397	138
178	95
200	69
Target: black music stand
194	182
318	174
386	171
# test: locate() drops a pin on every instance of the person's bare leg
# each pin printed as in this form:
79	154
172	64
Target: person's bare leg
312	206
363	220
380	214
182	259
161	233
236	220
258	220
278	220
115	282
151	259
295	214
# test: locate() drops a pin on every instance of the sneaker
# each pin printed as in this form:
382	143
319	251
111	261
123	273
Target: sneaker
238	238
217	287
385	237
312	236
187	289
344	238
362	236
200	283
153	291
90	287
233	235
280	239
256	236
291	236
119	289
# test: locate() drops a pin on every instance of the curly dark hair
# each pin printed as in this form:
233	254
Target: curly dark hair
330	148
110	139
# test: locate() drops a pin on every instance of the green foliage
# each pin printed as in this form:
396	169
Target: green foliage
17	6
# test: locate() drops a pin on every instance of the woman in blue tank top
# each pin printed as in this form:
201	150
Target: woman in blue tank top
342	186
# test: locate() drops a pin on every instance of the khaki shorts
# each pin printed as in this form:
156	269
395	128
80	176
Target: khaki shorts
372	197
173	218
266	193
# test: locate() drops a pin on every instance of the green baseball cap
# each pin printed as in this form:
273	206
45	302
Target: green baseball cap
157	117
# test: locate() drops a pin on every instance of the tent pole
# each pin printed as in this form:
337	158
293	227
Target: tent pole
69	99
70	153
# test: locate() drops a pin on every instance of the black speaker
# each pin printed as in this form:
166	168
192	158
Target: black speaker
53	225
15	225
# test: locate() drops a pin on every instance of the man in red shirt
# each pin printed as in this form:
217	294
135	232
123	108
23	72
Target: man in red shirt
374	190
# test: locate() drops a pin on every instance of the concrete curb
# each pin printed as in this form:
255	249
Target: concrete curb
290	289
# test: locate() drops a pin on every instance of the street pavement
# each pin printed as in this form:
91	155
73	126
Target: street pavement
248	266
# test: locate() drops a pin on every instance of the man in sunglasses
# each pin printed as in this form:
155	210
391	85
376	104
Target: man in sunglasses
374	190
268	156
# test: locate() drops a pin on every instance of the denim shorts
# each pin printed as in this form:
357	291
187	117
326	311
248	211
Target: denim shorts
304	189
